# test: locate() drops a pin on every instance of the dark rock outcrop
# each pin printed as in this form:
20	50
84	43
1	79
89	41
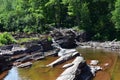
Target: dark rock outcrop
6	47
5	63
40	45
67	38
33	48
67	42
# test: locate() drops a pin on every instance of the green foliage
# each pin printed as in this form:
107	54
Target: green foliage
6	38
92	16
116	15
29	30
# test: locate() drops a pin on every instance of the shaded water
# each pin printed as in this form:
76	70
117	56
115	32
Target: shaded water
39	72
116	71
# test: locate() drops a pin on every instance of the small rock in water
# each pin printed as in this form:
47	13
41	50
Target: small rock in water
94	69
94	62
68	65
106	64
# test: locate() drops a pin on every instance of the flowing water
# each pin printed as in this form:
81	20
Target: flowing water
39	72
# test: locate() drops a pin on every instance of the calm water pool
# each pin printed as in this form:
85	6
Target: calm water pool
39	72
112	72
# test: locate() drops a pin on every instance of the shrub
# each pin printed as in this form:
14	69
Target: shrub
6	38
30	29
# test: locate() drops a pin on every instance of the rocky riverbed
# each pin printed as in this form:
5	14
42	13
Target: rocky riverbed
38	71
60	40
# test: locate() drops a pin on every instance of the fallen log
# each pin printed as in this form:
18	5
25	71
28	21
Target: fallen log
24	59
77	60
78	70
38	58
71	72
63	52
63	59
27	64
68	65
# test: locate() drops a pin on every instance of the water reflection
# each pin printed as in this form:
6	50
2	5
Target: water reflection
39	72
13	74
112	71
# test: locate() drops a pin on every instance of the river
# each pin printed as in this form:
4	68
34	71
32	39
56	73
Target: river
39	72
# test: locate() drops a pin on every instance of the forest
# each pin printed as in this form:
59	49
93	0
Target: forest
100	19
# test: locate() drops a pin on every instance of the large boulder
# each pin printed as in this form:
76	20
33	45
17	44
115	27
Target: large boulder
67	42
64	37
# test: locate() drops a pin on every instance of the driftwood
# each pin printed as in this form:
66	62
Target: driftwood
68	65
71	72
78	70
25	59
27	64
63	59
63	52
38	58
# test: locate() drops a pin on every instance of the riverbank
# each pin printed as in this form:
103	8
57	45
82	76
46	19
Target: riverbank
89	54
107	45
